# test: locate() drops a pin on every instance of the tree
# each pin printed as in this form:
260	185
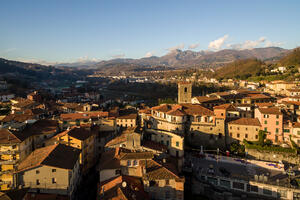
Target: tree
261	137
236	148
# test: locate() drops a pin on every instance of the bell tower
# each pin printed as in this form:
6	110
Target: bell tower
184	92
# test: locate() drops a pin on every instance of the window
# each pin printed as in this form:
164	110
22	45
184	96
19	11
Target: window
282	193
238	185
53	180
256	136
230	127
230	134
177	144
238	128
246	129
277	130
225	183
167	182
277	116
37	171
128	163
135	163
246	135
265	122
222	114
267	191
37	181
265	129
277	122
185	89
238	135
53	170
256	129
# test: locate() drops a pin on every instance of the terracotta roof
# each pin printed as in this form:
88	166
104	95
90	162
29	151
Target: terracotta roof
294	90
228	107
193	109
117	140
269	104
162	108
176	112
296	125
85	115
203	99
155	171
154	145
292	102
113	188
7	137
17	118
246	121
272	110
25	103
58	155
40	127
128	116
80	133
257	96
136	155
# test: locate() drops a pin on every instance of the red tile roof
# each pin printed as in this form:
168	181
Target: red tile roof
271	110
246	121
58	155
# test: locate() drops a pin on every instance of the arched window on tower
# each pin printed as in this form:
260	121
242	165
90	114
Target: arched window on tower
185	89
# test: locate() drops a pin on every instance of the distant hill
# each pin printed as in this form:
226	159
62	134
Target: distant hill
256	69
35	72
191	59
241	69
291	59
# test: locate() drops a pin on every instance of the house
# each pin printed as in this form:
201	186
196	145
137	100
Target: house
244	128
83	139
5	97
271	120
122	187
52	170
14	147
159	180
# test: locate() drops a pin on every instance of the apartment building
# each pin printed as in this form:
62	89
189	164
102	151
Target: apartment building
271	120
84	140
243	128
52	169
14	147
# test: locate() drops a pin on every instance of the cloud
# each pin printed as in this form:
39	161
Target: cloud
218	43
122	55
87	59
250	44
273	44
194	46
180	46
149	54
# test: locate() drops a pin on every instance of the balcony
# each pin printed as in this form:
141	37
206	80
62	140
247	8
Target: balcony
9	152
8	162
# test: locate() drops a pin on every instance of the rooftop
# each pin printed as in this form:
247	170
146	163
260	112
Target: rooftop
246	122
58	155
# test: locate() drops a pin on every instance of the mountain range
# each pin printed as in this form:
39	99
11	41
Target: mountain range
185	59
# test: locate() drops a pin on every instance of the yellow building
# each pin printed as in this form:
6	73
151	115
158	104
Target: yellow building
83	139
14	148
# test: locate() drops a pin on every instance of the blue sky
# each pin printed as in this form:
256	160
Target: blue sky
77	30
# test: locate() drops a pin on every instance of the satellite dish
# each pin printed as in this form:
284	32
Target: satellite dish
124	184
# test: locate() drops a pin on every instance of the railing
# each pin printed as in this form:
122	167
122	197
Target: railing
5	182
7	162
9	152
7	172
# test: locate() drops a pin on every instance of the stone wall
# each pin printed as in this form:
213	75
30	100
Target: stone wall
273	156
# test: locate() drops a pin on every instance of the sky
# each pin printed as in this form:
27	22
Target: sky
86	30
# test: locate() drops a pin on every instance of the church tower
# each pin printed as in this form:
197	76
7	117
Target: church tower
184	92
